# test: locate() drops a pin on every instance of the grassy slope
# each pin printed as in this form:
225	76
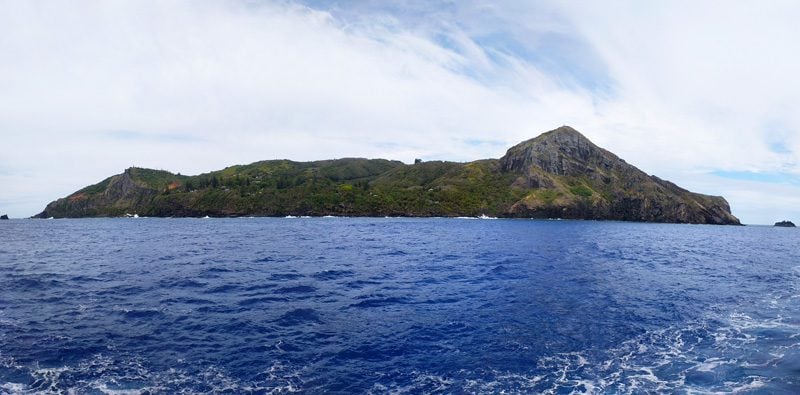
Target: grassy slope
341	187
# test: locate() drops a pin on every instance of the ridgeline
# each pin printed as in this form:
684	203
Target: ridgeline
560	174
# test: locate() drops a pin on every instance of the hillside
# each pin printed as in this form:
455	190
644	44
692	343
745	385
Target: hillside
559	174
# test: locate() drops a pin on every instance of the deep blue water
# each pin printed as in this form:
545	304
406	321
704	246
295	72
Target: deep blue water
345	305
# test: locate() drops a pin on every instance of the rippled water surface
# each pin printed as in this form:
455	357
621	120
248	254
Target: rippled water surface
344	305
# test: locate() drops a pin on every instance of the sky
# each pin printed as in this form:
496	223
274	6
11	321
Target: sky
703	93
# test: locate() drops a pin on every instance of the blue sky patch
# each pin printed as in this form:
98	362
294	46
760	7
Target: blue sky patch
483	143
779	147
767	177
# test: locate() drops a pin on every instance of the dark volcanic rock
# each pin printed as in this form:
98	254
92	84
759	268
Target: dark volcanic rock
785	224
563	152
114	196
560	174
584	181
4	216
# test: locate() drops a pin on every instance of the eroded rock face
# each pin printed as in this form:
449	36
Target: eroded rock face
120	195
563	152
590	182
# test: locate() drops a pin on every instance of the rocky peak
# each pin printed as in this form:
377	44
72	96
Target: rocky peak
562	133
563	151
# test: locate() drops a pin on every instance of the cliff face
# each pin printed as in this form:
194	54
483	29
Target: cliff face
114	196
560	174
562	152
571	177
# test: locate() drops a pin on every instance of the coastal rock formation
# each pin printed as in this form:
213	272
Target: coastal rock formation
111	196
560	174
785	224
573	178
4	216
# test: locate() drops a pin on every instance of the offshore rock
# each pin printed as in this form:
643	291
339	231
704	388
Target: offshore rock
785	224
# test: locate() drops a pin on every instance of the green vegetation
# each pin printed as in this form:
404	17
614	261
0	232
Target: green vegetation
333	187
548	196
581	190
96	188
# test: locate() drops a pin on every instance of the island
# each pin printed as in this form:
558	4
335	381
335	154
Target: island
4	216
785	224
559	174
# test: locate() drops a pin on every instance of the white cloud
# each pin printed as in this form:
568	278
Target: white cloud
701	87
676	88
712	75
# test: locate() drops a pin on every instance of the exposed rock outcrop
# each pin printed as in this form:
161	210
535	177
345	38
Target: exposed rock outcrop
112	197
574	178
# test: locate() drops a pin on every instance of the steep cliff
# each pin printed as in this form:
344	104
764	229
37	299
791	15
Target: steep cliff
129	192
570	177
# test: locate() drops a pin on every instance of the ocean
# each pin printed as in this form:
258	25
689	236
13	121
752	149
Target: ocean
396	305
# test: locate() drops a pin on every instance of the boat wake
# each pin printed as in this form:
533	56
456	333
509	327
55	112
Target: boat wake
732	354
112	375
